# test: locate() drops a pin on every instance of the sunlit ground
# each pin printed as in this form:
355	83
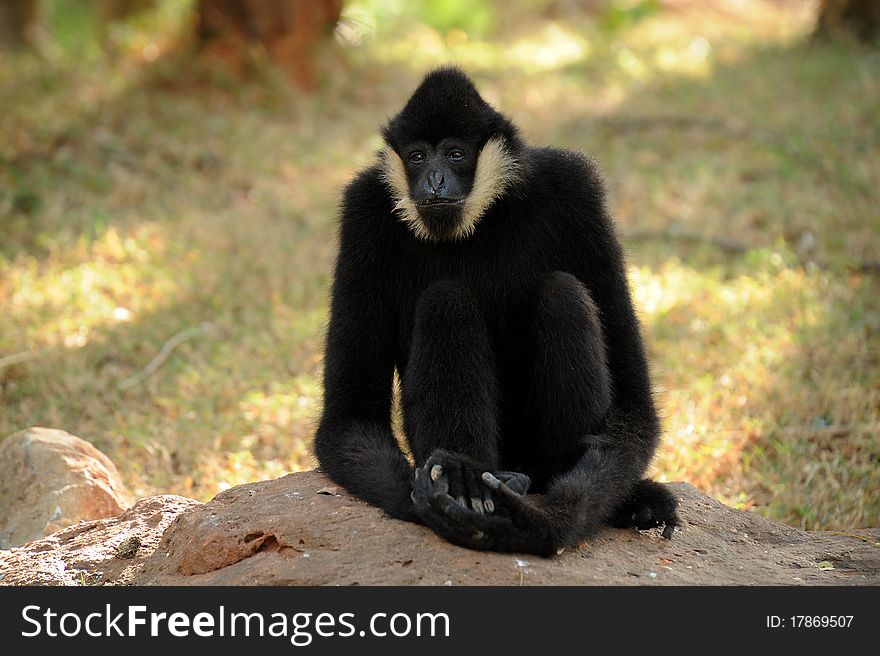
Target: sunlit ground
141	199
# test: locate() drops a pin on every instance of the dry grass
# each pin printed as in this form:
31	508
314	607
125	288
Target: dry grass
142	199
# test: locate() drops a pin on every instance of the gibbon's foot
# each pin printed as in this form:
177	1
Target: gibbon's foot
460	478
649	505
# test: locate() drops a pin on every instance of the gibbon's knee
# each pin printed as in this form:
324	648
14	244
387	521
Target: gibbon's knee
448	320
560	297
566	317
446	302
450	339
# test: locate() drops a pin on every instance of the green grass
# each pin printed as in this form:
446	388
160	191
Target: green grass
139	200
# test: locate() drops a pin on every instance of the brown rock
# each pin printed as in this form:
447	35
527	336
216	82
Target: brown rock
290	531
106	551
49	480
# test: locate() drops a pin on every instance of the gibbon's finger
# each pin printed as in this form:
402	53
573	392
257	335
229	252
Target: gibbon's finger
450	508
511	499
498	487
488	504
473	489
523	513
516	481
421	488
466	520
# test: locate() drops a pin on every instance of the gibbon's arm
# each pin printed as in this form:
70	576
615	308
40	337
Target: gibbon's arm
354	443
603	271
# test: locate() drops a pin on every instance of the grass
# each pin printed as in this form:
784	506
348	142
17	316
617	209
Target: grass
140	199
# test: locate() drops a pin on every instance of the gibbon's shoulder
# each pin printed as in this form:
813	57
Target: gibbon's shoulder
368	189
566	188
570	169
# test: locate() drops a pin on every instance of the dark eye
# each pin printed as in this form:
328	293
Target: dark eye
456	154
416	156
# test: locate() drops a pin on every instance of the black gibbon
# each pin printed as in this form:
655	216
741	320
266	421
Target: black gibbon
487	272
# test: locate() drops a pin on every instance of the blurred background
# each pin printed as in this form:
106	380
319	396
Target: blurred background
170	172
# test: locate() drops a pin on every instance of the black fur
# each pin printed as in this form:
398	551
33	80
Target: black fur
517	349
447	104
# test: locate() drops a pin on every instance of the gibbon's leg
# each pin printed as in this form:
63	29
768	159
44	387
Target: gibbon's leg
450	395
569	387
450	391
571	394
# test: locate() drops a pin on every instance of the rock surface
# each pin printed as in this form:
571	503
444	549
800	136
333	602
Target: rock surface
93	553
49	480
303	530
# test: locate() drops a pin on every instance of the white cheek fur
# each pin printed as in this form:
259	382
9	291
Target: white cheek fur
496	170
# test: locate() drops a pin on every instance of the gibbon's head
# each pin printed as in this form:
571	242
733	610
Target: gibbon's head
449	156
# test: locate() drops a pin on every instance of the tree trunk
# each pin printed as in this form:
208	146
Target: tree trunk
291	31
19	21
857	17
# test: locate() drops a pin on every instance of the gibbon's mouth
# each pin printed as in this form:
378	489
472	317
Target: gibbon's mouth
431	202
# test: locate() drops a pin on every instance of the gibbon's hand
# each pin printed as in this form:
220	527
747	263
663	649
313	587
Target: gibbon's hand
516	524
460	477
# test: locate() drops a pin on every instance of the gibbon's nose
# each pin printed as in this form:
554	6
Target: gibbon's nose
435	180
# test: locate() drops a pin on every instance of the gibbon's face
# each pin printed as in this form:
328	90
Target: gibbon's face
439	179
442	190
449	156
